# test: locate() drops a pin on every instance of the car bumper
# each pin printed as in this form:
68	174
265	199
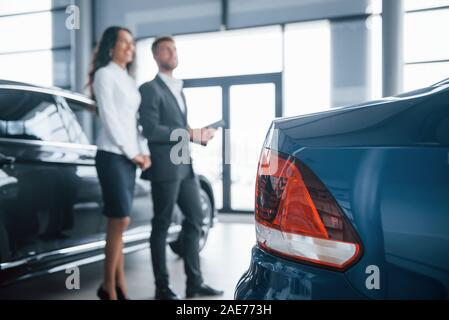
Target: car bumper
274	278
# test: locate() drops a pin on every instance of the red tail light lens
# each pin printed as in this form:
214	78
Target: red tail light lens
297	217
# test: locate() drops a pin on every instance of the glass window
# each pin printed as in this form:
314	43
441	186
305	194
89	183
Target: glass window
9	7
424	4
247	51
307	73
33	116
76	134
30	67
82	112
425	36
217	54
374	7
146	67
26	32
424	74
28	38
23	6
374	25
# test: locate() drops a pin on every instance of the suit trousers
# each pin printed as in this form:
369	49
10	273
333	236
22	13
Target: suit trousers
165	194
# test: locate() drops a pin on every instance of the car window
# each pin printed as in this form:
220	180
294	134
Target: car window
30	116
76	133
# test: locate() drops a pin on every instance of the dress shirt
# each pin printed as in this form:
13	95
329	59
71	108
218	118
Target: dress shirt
175	86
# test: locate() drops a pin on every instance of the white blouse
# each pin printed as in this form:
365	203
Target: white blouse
118	102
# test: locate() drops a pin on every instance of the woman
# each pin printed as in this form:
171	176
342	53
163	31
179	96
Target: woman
121	147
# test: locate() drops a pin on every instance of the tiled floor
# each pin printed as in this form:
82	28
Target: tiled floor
224	259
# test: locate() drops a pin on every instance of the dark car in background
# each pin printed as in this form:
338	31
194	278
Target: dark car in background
50	197
353	203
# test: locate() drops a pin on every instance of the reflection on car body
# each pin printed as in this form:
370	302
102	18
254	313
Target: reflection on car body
50	197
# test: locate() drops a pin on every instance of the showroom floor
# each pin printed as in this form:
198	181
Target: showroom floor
224	259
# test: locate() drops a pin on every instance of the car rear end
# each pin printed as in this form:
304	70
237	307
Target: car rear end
354	203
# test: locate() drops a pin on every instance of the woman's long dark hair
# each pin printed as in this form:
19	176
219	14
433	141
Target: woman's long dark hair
102	55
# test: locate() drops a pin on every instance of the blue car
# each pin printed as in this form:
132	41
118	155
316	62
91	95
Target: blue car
353	203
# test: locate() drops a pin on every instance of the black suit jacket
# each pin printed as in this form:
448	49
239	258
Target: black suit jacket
159	115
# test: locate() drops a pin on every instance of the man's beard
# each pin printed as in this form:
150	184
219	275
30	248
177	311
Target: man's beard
168	66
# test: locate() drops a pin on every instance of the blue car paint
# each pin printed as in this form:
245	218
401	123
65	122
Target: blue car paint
273	278
387	165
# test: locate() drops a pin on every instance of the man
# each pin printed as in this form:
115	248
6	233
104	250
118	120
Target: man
162	111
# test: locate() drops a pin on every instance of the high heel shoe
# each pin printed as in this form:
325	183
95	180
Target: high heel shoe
120	294
102	294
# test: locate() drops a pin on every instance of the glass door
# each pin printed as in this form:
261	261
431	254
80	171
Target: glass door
252	108
248	104
205	107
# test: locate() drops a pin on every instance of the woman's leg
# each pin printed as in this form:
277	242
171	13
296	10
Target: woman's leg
120	274
113	252
120	279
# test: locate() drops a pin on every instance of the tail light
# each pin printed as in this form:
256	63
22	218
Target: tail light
297	217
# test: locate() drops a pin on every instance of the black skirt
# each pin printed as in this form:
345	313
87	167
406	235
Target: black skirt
117	175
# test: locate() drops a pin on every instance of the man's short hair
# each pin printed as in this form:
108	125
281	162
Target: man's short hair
159	40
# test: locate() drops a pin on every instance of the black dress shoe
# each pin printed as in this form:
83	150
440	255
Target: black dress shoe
103	294
165	294
120	294
202	291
